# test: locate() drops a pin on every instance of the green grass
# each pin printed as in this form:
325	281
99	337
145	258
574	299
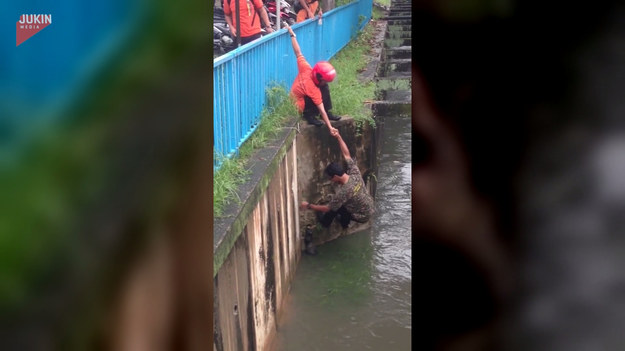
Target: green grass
338	3
348	98
386	3
376	13
349	94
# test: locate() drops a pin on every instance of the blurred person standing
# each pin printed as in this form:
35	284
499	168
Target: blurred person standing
249	13
306	9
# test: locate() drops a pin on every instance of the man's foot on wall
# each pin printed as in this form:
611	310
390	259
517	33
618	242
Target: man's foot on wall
339	217
310	248
333	117
313	121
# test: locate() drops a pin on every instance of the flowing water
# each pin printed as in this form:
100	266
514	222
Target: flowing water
355	294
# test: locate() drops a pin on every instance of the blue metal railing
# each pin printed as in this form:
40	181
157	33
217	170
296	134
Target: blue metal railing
242	75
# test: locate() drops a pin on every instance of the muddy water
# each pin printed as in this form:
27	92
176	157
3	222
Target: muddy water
355	294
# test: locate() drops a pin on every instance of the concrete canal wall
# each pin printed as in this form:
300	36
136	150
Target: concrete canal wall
256	250
259	243
317	149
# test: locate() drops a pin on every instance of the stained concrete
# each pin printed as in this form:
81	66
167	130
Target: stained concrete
317	149
262	166
254	273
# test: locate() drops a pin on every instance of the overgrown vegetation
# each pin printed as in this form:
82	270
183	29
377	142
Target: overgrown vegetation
386	3
233	172
338	3
349	96
376	13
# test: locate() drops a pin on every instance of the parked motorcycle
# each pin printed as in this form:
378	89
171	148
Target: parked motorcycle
287	15
222	39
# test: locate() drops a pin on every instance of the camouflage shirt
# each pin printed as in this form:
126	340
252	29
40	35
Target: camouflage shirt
353	195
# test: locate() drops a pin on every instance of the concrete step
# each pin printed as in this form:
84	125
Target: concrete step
399	28
395	68
396	74
394	95
392	108
394	43
399	13
402	52
398	35
403	22
383	83
393	19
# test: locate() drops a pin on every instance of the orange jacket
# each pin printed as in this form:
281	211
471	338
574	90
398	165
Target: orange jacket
248	11
303	85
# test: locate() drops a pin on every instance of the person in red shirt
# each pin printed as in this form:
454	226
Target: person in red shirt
250	12
310	90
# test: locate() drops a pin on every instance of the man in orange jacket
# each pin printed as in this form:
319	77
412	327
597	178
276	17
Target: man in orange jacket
307	9
250	14
310	90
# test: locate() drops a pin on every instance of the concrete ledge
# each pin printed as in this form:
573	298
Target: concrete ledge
387	83
381	7
392	108
263	165
376	52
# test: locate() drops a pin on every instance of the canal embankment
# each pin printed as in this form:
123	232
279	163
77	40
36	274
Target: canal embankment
259	240
355	294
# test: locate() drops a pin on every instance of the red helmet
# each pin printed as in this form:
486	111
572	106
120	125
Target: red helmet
325	70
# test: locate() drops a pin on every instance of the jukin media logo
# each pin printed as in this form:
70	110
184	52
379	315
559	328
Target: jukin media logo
29	25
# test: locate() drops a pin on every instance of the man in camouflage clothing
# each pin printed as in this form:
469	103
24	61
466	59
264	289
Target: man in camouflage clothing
352	201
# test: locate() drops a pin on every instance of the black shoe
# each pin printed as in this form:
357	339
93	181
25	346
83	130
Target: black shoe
339	217
308	234
311	249
313	121
333	117
319	215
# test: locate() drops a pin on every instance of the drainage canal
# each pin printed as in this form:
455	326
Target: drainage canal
355	294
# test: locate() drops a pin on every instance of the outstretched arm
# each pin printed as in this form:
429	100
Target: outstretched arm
296	49
308	206
265	18
325	118
343	146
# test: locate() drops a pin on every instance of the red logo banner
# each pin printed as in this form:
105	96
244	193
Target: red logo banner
29	25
